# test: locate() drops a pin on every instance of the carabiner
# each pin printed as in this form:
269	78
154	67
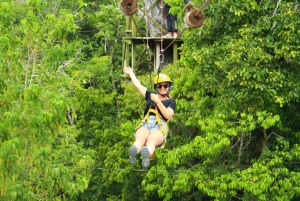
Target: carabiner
161	58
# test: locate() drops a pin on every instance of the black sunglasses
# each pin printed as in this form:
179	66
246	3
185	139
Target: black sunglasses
165	86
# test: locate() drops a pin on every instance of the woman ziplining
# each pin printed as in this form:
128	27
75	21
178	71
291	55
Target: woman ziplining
153	129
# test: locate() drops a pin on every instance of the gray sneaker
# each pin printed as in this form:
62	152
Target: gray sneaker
146	156
132	154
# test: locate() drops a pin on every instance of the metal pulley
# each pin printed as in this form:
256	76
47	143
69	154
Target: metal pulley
193	17
128	7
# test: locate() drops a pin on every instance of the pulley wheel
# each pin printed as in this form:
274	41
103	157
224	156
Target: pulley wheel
128	7
194	18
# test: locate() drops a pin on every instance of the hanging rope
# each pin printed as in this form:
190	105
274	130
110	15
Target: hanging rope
180	33
146	20
204	5
149	69
138	30
161	55
148	51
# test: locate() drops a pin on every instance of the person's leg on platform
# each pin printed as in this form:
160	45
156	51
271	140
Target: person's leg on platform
174	26
169	21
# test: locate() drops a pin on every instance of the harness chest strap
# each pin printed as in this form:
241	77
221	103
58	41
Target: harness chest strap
158	119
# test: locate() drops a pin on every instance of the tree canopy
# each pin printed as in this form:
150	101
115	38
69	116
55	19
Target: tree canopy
68	114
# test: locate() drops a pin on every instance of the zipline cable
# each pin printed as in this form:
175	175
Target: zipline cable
175	38
139	170
203	6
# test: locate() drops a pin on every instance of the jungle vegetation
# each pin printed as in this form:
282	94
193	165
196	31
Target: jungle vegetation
68	114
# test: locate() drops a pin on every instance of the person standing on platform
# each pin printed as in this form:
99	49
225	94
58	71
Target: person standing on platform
171	22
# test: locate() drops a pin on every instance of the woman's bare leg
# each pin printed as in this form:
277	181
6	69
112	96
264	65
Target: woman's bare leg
155	138
141	137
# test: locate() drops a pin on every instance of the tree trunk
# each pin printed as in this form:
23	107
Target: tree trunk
153	15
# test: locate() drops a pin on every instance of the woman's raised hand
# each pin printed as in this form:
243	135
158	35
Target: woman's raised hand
127	70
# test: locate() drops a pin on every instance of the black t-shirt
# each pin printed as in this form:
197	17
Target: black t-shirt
167	103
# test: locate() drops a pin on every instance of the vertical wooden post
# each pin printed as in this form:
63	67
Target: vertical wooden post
126	45
133	53
133	45
156	54
133	27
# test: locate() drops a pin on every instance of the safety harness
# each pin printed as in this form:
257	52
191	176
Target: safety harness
159	119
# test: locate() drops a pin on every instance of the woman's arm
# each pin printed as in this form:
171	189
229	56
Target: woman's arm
135	81
167	112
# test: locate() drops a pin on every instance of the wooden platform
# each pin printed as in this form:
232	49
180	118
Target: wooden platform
156	44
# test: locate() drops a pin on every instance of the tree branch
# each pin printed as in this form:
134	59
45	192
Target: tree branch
278	4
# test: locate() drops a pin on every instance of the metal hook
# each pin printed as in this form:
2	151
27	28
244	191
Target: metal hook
161	58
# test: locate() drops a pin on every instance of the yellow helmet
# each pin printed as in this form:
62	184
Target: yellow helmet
161	78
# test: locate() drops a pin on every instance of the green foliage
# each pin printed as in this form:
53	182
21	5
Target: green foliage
235	132
40	156
67	121
36	152
243	89
234	135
